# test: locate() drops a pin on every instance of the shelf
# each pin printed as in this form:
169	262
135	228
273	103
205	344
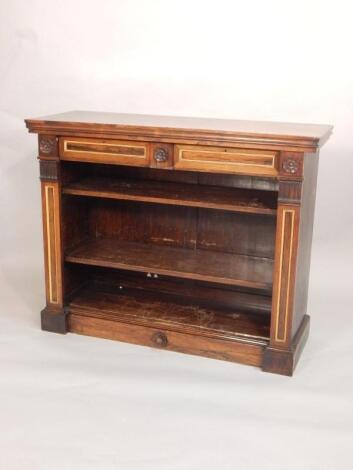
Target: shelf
158	311
211	197
217	296
202	265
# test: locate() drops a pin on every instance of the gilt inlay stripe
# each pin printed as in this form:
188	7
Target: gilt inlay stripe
284	278
52	243
234	158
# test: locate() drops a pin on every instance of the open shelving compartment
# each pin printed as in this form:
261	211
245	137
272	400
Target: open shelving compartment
179	251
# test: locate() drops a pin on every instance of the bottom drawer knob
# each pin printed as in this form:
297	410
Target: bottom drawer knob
160	339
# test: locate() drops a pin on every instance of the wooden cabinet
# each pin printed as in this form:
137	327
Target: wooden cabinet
191	235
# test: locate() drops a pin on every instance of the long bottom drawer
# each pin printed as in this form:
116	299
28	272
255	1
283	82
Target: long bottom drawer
228	350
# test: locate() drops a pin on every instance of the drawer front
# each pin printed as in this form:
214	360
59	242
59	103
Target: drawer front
245	353
226	160
108	151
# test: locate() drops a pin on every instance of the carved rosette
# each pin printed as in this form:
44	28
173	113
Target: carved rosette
160	154
290	166
47	146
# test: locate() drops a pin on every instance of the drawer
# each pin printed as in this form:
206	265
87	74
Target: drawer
108	151
226	160
246	353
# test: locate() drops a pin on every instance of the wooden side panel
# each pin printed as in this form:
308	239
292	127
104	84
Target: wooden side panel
297	188
52	243
284	277
307	209
226	160
49	166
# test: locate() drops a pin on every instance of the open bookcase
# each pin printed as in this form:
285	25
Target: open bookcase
173	250
190	247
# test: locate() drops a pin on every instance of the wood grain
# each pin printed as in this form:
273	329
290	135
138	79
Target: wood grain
226	160
283	361
226	298
228	199
106	151
306	137
218	267
52	243
129	305
284	275
306	223
186	234
237	351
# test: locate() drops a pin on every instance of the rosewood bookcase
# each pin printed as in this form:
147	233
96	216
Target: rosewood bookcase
186	234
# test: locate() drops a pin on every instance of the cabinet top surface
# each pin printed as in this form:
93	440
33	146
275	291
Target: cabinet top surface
192	127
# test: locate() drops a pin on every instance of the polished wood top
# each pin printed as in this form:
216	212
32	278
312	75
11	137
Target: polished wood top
300	135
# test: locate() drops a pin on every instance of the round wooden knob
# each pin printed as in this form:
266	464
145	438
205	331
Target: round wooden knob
160	339
160	155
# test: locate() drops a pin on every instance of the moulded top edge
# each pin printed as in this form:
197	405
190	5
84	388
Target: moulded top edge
166	126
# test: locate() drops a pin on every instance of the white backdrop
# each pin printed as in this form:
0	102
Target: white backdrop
69	402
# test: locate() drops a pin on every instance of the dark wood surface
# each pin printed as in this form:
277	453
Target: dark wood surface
74	171
170	253
226	160
229	199
178	226
235	350
223	268
313	131
156	310
159	127
283	361
227	298
306	224
284	274
108	151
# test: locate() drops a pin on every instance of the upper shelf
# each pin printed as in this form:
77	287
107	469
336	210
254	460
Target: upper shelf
178	194
306	137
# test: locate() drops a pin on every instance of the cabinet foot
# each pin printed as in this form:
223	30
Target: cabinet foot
283	361
54	320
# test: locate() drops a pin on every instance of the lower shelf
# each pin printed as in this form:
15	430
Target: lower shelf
150	319
155	310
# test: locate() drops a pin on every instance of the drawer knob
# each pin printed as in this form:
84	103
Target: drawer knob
160	155
160	339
